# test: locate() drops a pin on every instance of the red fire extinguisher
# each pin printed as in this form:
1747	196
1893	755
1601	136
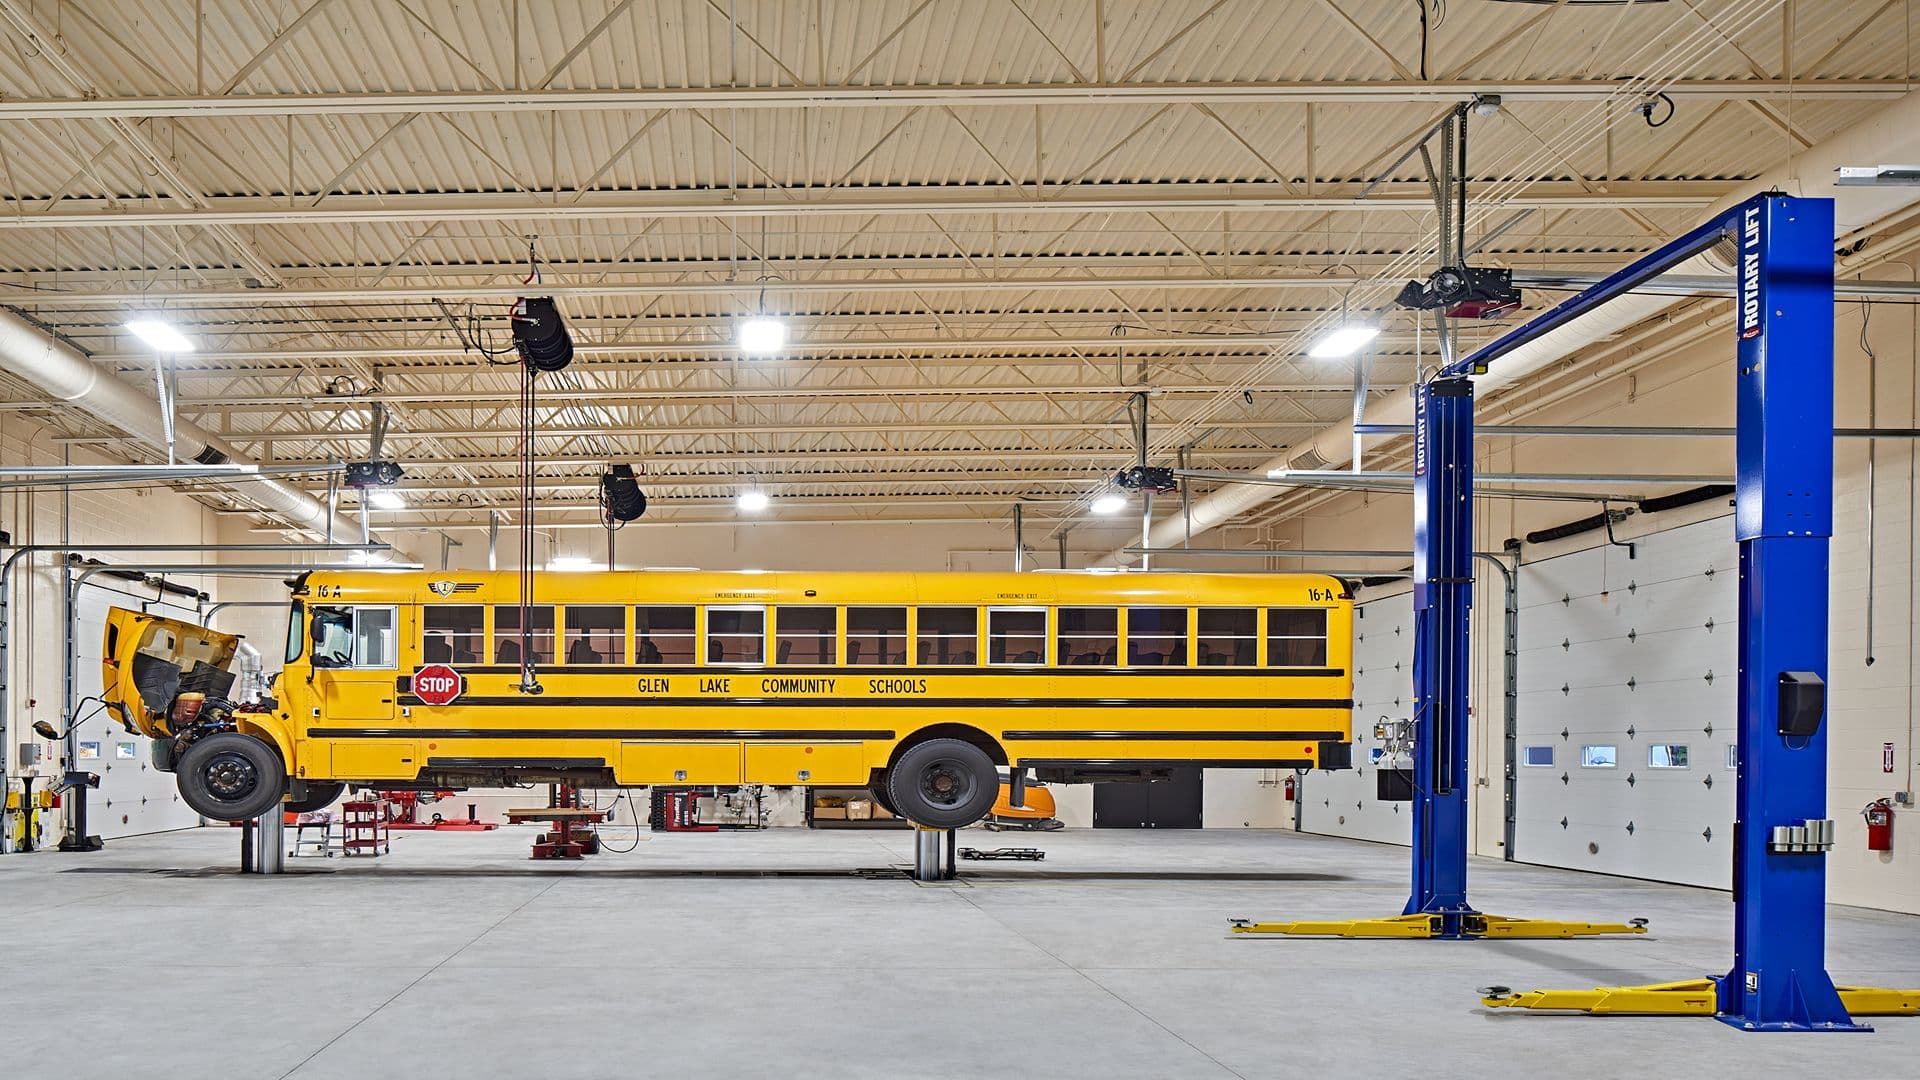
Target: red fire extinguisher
1287	786
1879	815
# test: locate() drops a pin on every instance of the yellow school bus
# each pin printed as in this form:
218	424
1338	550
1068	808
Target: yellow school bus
916	685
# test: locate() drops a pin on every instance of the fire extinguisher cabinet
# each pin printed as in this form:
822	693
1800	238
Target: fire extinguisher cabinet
1879	815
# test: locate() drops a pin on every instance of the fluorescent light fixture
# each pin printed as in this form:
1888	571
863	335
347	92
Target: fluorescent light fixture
382	499
1109	504
160	335
1343	341
752	499
572	562
762	335
369	557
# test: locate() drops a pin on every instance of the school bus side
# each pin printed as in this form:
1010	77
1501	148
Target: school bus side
843	679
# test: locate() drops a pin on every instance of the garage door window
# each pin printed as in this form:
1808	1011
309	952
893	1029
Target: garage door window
1667	756
1537	757
1599	757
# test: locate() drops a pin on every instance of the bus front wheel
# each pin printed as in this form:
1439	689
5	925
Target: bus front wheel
320	795
228	776
943	784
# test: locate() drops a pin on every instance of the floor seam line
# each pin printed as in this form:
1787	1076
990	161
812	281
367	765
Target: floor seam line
444	961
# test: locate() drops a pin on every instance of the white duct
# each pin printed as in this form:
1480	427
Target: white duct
1888	136
34	356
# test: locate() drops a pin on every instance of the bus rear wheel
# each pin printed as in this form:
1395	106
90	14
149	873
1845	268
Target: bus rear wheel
943	784
228	776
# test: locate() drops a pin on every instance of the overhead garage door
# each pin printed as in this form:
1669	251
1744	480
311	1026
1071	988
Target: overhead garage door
133	796
1342	803
1626	711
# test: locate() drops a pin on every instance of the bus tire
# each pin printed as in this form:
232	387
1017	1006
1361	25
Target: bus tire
881	799
228	776
943	784
320	795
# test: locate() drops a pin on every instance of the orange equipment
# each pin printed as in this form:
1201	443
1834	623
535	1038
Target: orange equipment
1036	815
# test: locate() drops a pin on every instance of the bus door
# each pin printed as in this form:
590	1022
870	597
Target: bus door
355	657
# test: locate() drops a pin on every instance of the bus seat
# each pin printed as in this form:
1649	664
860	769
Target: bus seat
1086	659
716	652
853	652
649	652
507	653
582	653
784	651
966	657
1028	657
436	650
926	651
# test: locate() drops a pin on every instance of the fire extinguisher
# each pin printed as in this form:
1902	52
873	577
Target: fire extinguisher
1286	786
1879	815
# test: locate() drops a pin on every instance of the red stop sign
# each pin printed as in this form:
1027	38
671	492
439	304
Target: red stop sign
437	684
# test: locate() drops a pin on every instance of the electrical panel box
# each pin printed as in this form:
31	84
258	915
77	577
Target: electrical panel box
29	754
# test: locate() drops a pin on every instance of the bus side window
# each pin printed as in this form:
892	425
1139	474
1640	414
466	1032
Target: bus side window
1156	637
452	633
663	635
947	635
1296	637
506	633
595	634
877	635
736	635
331	632
1228	636
376	637
803	635
1088	635
1016	635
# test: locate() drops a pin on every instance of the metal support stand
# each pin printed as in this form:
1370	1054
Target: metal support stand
933	854
263	843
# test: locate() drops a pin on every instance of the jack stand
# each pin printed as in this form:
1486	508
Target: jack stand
1470	926
79	782
263	843
933	854
1693	997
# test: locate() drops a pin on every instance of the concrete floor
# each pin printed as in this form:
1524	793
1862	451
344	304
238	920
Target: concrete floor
456	956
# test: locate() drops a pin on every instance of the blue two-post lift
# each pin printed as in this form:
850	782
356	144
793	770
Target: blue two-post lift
1783	520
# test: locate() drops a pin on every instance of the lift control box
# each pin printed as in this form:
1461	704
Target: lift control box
1803	702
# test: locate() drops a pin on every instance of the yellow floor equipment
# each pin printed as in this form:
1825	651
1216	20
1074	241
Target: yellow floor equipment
1427	926
1691	997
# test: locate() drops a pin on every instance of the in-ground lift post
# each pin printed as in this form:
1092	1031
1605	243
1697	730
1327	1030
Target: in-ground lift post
1783	519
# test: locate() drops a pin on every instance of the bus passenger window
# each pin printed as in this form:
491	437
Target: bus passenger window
803	635
595	634
1229	637
736	635
453	633
1016	635
663	635
948	635
1156	637
506	633
1088	635
1296	637
877	635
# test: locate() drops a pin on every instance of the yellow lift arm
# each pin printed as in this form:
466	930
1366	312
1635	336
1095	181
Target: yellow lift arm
1427	926
1691	997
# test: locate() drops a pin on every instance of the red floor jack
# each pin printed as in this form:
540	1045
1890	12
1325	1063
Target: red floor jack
680	812
408	805
570	834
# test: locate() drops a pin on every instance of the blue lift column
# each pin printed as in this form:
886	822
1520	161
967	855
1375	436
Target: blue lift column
1442	603
1783	517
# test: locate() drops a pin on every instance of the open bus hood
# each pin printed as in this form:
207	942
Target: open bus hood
148	662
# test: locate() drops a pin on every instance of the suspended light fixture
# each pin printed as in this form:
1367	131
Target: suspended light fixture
1343	341
382	499
1110	503
160	335
752	500
762	335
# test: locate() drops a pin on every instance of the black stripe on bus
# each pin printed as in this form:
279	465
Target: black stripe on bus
794	734
1175	736
722	670
894	701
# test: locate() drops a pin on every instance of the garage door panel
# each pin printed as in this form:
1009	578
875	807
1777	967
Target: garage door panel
1616	653
1342	803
